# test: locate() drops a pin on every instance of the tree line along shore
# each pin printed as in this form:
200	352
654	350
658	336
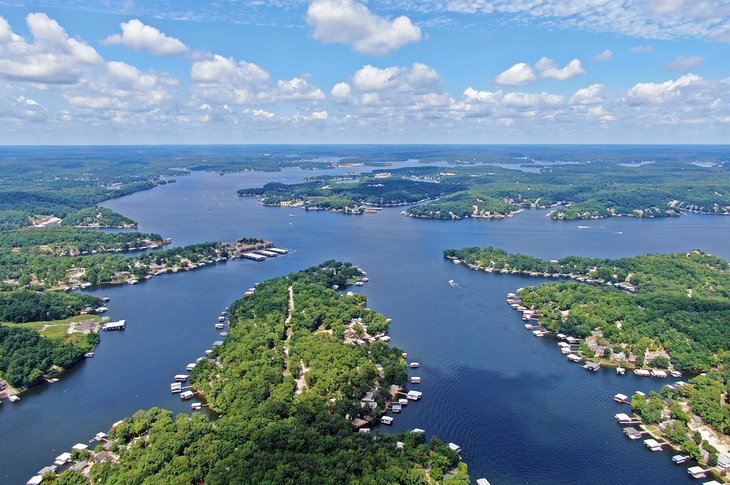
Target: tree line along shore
589	190
661	313
287	388
40	266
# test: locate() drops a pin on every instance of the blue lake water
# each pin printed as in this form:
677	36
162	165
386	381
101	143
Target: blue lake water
520	411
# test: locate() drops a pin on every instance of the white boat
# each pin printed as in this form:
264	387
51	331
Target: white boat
415	380
186	395
14	398
196	405
190	366
414	365
386	420
414	395
176	387
453	283
181	377
89	355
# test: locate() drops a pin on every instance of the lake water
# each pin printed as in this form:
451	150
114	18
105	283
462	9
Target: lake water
520	411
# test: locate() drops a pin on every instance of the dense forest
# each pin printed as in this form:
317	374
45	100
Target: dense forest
35	306
585	190
287	392
26	357
681	303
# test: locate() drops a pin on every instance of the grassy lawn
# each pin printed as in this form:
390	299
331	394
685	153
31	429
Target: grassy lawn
57	329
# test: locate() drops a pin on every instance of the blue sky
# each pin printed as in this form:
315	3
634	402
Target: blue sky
381	71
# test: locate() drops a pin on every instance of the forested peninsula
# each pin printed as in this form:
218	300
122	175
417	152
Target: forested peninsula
662	311
587	190
287	385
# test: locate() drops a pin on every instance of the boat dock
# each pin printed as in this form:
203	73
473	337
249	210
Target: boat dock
633	433
254	257
118	325
624	418
653	444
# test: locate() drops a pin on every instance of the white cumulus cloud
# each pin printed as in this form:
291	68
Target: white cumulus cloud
352	23
52	58
549	69
655	93
145	38
517	75
587	96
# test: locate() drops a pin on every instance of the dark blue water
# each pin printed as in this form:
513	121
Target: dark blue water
521	412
